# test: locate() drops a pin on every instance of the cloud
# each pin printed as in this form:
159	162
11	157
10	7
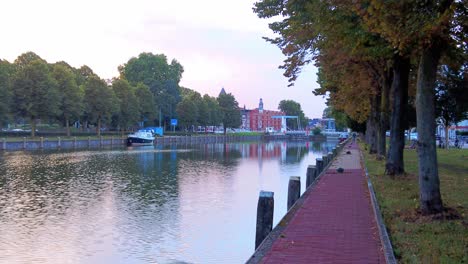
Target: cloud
217	41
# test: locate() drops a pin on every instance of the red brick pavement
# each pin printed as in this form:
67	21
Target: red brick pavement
335	224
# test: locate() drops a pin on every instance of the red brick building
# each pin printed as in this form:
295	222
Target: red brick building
259	119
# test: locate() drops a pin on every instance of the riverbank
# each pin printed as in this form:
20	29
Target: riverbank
18	143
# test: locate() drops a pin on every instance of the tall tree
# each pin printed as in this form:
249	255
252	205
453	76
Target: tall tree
27	58
188	112
231	112
428	29
293	108
129	112
35	92
146	104
71	104
214	115
161	78
6	78
100	101
401	68
451	96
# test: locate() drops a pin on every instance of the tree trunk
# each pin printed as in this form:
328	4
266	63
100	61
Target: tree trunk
98	132
429	190
384	104
380	141
67	125
33	126
399	90
446	136
373	125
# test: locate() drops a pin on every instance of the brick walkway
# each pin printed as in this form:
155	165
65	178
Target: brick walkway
336	223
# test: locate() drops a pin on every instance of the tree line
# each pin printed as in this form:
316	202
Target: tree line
147	91
377	60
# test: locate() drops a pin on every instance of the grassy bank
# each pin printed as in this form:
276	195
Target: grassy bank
425	239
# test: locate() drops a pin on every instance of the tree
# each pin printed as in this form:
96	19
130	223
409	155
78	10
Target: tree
188	112
293	108
100	101
230	109
71	104
129	112
451	96
6	77
161	78
428	29
26	59
146	104
214	115
83	74
35	92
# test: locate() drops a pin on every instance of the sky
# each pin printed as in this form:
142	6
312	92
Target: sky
218	42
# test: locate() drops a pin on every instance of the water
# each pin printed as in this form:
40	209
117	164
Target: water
184	204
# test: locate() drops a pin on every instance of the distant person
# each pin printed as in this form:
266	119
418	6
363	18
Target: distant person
354	137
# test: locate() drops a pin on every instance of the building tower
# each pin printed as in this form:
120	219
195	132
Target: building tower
260	106
222	92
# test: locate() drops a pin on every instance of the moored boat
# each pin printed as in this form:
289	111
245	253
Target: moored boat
140	138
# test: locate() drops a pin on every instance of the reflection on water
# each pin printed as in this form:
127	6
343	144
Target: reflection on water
182	204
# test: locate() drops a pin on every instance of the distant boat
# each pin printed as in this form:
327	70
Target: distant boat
141	138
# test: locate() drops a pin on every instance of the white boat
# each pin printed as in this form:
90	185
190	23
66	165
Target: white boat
141	138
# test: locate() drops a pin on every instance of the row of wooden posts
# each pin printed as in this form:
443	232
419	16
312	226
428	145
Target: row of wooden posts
265	207
119	141
59	142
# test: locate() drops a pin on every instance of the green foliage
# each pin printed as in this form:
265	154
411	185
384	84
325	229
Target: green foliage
452	94
161	78
188	112
100	101
129	113
35	93
293	108
83	74
317	131
146	104
71	104
214	114
6	78
26	59
230	109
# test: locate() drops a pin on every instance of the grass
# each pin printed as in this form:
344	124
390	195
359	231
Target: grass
425	239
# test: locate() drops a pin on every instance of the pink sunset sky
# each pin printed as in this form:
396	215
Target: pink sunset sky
219	43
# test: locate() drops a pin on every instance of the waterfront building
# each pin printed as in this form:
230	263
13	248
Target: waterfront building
260	119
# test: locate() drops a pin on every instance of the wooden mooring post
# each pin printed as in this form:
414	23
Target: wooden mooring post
264	216
42	143
330	157
319	165
294	190
59	142
310	175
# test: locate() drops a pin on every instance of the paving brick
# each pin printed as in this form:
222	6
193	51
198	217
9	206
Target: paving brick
336	222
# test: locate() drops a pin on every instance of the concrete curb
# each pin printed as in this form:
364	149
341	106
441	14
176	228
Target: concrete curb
383	234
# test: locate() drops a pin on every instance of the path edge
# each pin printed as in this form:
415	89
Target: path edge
383	234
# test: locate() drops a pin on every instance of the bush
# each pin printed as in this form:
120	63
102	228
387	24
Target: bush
317	131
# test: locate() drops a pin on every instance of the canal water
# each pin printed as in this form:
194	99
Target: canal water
174	204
